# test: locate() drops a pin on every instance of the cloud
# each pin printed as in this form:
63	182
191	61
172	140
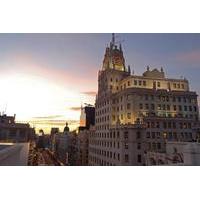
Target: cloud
90	93
192	57
48	117
53	122
75	108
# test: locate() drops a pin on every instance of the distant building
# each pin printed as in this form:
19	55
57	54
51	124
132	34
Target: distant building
87	122
10	131
87	117
73	149
60	144
83	145
14	154
135	114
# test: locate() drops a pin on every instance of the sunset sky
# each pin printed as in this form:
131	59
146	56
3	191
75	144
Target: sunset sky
44	78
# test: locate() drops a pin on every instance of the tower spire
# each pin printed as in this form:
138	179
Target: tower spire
113	39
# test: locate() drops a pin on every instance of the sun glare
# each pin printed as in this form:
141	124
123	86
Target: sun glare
32	97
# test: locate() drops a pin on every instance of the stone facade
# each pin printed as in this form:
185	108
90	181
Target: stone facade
135	114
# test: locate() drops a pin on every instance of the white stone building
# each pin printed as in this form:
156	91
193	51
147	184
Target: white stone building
135	114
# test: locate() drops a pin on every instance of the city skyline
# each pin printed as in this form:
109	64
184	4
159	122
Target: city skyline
46	77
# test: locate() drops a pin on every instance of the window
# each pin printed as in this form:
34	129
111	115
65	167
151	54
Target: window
135	82
174	107
152	106
144	83
138	136
141	106
164	125
158	134
153	135
129	83
128	106
174	85
168	107
118	156
158	84
185	108
140	82
147	134
129	115
126	145
139	158
138	145
126	158
164	108
126	135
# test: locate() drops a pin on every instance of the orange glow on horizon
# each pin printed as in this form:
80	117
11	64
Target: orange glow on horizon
33	98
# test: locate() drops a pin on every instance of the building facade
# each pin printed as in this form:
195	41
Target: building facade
11	131
14	154
177	153
135	114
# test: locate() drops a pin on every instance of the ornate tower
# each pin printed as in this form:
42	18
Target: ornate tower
114	58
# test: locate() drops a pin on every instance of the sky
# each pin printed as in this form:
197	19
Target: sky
44	78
